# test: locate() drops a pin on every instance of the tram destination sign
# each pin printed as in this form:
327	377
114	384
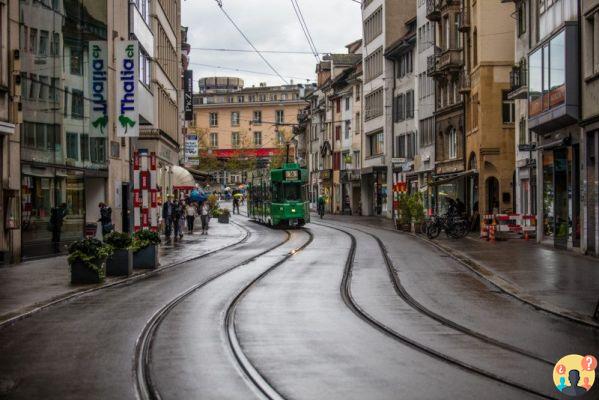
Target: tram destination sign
292	175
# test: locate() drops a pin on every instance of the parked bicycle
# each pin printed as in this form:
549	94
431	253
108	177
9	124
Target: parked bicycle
454	226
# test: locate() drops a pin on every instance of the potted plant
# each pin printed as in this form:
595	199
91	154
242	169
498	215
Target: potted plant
120	263
223	215
145	249
87	259
405	217
416	212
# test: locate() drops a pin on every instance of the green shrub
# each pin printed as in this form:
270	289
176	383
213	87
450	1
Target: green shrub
91	252
118	240
143	239
416	205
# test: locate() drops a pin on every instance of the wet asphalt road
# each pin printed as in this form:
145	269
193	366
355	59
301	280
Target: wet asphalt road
297	334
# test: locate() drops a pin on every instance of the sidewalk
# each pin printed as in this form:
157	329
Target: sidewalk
33	284
558	281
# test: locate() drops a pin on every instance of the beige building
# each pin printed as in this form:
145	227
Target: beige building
232	120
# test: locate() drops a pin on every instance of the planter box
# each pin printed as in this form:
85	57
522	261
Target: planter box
81	274
223	219
146	258
120	263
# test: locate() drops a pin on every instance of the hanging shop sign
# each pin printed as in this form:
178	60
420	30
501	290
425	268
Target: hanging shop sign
188	94
191	149
127	59
98	87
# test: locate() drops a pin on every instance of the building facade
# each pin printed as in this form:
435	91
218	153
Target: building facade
253	122
589	20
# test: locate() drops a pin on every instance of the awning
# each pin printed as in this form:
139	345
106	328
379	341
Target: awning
182	178
445	178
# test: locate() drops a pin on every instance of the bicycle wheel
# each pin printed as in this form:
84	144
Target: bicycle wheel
433	231
458	230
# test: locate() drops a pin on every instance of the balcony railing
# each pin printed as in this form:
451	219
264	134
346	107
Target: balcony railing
450	59
464	82
433	10
518	80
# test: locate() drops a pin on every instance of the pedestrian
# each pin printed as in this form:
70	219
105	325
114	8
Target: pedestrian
236	203
57	215
190	214
178	214
167	216
105	219
205	217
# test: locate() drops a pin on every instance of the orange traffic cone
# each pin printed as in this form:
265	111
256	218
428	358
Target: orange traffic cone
525	235
492	233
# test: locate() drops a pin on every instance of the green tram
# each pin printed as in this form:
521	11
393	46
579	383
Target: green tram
278	197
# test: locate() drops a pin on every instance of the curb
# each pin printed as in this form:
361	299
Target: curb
128	280
502	284
506	286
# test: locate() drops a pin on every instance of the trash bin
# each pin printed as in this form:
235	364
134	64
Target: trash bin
90	229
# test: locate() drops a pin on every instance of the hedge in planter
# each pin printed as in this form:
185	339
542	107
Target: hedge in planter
145	251
120	263
87	260
222	214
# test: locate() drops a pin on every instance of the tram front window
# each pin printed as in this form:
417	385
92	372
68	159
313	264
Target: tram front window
286	192
293	192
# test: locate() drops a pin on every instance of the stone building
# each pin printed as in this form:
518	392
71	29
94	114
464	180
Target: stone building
233	120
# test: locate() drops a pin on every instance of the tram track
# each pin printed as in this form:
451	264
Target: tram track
348	299
145	388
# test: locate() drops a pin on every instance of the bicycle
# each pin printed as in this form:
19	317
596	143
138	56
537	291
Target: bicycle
454	226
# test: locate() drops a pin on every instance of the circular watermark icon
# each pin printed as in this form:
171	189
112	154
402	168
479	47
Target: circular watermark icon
574	375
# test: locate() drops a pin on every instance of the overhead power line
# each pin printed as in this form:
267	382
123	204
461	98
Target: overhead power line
220	5
302	22
251	51
246	70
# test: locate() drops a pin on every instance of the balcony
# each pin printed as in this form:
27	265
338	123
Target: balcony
449	60
464	23
464	82
433	10
518	84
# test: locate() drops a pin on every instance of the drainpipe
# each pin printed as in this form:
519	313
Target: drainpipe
392	144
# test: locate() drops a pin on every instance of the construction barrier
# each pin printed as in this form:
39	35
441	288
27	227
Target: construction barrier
501	226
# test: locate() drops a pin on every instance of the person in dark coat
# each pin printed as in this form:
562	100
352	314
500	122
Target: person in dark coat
57	215
105	219
167	216
176	219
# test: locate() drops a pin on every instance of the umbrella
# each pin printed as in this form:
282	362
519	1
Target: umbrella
197	196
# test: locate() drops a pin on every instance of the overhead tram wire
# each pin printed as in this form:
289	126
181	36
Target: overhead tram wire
251	51
220	5
299	10
305	29
246	70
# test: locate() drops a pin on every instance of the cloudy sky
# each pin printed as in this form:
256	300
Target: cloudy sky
270	25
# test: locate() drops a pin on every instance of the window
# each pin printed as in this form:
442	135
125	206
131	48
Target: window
399	108
76	60
53	91
235	118
235	142
55	45
356	159
590	44
338	105
357	124
72	146
546	76
44	88
98	150
400	146
522	131
33	40
257	117
357	92
213	119
405	64
474	104
77	104
427	131
84	147
521	17
40	136
373	64
347	128
376	144
508	108
280	138
475	47
144	68
410	104
262	97
374	104
257	138
279	117
29	134
213	139
338	132
373	25
43	48
240	99
452	142
347	101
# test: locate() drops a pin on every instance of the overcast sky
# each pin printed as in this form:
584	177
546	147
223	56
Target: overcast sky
270	25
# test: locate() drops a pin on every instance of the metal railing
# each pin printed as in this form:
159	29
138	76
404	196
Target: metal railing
518	75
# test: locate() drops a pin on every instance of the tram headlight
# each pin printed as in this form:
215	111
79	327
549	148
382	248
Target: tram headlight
293	210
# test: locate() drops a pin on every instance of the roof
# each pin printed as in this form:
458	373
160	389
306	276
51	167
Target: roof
343	59
401	45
